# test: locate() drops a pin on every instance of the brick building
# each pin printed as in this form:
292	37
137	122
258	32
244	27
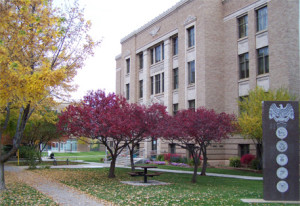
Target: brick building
210	53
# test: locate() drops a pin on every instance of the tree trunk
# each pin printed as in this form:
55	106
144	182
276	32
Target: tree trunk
196	162
131	159
204	166
112	167
2	181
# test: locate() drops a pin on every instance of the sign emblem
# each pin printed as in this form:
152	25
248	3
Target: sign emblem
281	133
281	114
281	146
282	173
282	159
282	186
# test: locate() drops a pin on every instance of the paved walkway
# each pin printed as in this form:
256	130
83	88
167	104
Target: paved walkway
60	193
101	165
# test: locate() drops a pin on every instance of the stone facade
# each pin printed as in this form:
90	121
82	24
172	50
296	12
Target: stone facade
216	53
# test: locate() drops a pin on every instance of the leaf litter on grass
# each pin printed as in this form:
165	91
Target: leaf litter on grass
18	193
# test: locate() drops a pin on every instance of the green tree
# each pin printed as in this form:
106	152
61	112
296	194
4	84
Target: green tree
250	119
40	130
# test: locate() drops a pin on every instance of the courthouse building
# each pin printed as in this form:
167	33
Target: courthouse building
211	53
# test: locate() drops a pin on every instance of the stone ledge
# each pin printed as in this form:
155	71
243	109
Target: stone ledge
268	201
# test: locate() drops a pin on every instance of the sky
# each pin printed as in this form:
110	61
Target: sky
111	21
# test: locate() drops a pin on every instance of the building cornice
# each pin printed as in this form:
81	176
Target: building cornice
156	19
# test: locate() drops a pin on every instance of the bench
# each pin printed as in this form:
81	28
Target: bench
154	174
133	174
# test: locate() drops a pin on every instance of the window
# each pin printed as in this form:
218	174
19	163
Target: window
175	78
163	82
141	60
191	72
244	65
128	65
157	53
243	26
191	36
152	85
172	148
175	45
263	60
154	144
141	88
157	83
262	18
175	109
192	104
127	91
243	149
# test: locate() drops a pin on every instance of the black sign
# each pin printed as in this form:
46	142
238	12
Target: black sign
280	121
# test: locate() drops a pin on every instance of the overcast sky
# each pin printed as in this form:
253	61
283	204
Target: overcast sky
111	21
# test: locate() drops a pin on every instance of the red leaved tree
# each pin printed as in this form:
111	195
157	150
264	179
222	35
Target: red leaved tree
145	122
103	117
195	130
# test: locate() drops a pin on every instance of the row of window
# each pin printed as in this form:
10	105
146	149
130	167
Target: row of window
191	105
262	63
261	22
157	53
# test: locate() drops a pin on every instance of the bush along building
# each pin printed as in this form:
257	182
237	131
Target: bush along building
210	53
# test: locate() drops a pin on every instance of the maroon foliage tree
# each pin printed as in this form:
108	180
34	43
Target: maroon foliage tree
195	130
145	122
103	117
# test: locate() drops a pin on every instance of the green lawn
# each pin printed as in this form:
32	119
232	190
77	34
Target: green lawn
44	163
207	190
85	156
77	154
213	170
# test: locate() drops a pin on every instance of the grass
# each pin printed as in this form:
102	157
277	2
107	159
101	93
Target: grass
45	163
18	193
211	170
207	190
85	156
76	154
215	170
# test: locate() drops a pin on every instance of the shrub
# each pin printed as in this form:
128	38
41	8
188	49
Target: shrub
184	160
160	157
255	164
31	155
234	162
175	159
169	155
247	158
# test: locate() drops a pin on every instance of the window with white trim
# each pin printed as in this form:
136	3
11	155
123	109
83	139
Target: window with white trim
191	36
157	53
262	19
191	72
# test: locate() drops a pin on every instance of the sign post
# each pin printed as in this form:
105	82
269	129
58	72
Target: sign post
280	121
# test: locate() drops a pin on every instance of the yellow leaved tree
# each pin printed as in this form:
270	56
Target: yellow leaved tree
250	118
41	49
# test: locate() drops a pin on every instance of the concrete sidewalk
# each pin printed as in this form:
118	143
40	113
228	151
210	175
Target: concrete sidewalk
102	165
